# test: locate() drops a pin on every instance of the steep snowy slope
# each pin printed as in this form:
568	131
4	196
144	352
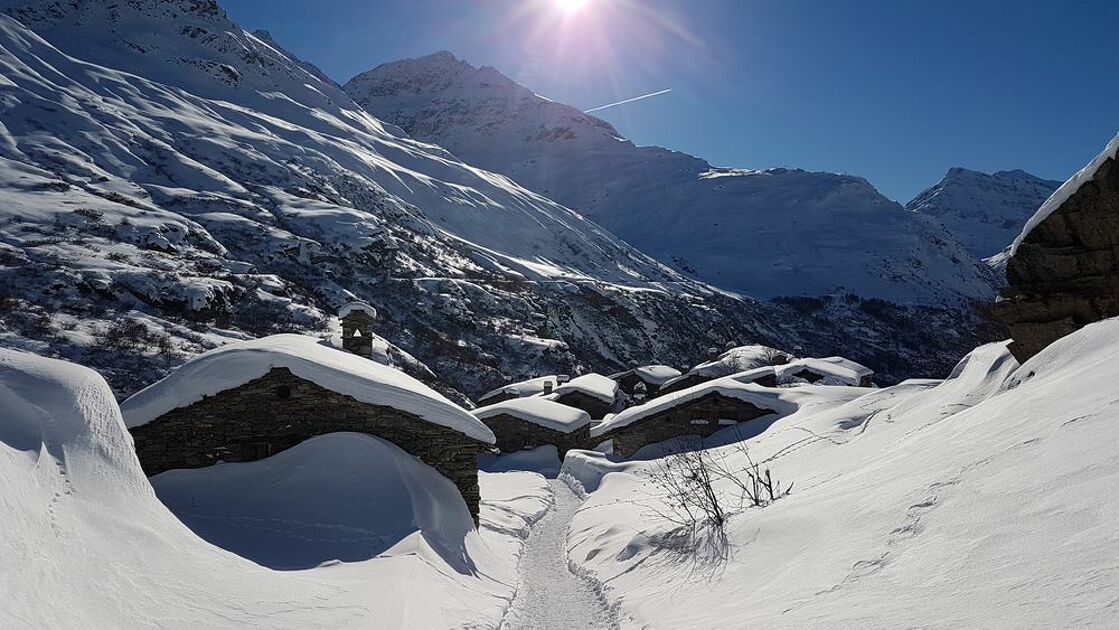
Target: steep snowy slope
982	501
164	160
86	544
765	233
984	211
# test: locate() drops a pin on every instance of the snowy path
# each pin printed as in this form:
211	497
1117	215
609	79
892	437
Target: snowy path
550	596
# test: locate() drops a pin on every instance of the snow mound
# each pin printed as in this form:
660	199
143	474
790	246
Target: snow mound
1068	189
594	385
309	358
292	511
539	411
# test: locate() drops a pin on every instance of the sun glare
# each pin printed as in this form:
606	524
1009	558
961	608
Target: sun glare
571	6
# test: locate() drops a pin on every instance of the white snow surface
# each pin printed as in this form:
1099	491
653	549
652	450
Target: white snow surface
308	358
1068	189
656	374
352	307
595	385
834	370
539	411
529	387
737	359
980	501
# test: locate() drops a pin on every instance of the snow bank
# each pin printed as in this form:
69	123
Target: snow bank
593	385
833	370
979	501
308	358
86	543
539	411
1068	189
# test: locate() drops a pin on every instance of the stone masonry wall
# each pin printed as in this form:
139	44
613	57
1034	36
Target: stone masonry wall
1065	273
696	417
278	411
515	434
595	407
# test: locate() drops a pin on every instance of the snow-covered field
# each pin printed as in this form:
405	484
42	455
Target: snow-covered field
984	500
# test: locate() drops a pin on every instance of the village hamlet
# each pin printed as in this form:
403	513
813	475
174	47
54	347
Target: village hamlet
250	400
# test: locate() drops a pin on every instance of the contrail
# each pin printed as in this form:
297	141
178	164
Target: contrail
628	100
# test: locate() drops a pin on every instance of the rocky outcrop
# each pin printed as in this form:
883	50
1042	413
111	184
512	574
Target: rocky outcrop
1064	273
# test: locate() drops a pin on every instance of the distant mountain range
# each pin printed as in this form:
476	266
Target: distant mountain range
764	233
985	212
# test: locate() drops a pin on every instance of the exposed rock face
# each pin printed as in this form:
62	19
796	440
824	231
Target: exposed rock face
1065	271
516	434
279	410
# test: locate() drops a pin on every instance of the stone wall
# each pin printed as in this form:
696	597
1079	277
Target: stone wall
515	434
1065	273
700	417
278	411
595	407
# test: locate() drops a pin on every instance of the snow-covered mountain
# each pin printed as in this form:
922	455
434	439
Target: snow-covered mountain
158	160
765	233
984	211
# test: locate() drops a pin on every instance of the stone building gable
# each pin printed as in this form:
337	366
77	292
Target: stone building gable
701	416
515	434
1065	272
597	408
280	410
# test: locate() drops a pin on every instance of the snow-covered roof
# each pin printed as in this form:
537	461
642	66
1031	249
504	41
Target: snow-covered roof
1067	190
750	376
838	369
357	307
539	411
737	360
764	397
308	358
652	374
530	387
594	385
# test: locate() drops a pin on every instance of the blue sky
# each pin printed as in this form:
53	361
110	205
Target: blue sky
896	91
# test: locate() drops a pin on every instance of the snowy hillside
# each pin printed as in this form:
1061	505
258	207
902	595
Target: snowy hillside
765	233
984	211
157	160
979	501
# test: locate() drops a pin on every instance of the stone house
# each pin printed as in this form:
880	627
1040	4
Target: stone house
1063	271
525	423
250	400
826	371
645	382
593	393
542	385
698	411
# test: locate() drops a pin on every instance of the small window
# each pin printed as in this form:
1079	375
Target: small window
283	392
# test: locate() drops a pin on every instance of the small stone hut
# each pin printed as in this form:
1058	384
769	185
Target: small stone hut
1063	271
250	400
827	371
650	378
532	387
357	328
701	411
525	423
593	393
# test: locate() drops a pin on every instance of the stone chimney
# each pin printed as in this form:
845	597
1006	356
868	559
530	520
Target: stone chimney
357	328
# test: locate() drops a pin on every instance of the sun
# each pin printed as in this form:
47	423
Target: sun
571	6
